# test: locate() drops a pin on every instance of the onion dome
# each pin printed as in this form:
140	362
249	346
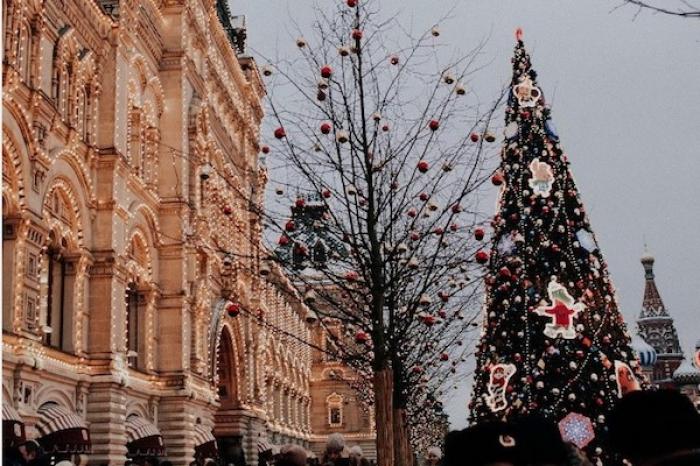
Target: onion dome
646	352
686	374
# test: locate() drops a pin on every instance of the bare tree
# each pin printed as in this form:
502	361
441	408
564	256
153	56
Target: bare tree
682	8
380	150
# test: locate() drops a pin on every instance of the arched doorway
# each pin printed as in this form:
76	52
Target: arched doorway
229	424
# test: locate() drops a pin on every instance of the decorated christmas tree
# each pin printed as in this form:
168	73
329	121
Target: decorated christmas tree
554	342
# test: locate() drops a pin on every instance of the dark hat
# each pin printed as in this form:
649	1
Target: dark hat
481	444
539	441
650	424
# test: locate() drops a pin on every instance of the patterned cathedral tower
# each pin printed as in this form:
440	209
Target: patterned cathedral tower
553	343
656	328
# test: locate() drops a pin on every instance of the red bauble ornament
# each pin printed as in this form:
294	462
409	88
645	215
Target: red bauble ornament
326	71
443	314
351	276
326	193
357	34
300	202
444	357
423	166
326	128
385	128
454	227
227	210
479	234
415	236
233	309
474	137
434	125
289	226
497	179
429	320
352	3
482	257
394	60
424	196
456	208
361	337
412	212
438	231
283	240
417	369
280	133
504	272
265	149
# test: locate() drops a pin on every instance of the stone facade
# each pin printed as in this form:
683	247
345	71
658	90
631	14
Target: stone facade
130	146
336	401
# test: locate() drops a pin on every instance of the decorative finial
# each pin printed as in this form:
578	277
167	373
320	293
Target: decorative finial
519	34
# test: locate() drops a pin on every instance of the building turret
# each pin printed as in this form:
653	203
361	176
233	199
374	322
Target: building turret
657	329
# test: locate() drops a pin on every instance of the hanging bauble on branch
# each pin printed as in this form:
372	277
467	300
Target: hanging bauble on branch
423	166
326	71
326	127
280	133
233	309
434	125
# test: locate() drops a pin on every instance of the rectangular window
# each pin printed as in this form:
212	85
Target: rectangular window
30	308
32	266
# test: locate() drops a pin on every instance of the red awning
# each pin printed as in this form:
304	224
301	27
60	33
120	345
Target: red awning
143	438
204	442
62	431
13	432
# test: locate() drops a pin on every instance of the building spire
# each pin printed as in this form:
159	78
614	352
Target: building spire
652	304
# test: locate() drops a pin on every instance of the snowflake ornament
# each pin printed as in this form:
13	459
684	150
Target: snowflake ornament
562	311
577	429
542	178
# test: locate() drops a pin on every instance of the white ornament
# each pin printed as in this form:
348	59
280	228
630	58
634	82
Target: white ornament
542	178
511	130
526	92
563	310
498	382
626	381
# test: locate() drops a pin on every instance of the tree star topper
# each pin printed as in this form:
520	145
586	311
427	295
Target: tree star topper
562	311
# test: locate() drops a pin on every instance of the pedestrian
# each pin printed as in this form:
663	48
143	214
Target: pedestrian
33	454
656	428
484	444
433	457
335	454
291	455
356	456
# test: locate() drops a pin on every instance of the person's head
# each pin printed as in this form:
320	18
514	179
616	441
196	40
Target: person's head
151	461
166	463
485	444
356	452
645	425
30	450
433	455
334	446
291	455
539	441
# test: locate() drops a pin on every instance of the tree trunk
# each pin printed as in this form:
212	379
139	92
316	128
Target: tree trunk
402	446
384	413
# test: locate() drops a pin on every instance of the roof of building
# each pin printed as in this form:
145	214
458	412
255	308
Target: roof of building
687	373
646	352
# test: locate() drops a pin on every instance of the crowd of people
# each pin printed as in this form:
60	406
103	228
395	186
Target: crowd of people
646	428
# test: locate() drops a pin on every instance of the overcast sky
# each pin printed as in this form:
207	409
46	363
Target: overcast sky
625	94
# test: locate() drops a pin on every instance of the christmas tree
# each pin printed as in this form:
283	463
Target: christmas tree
554	342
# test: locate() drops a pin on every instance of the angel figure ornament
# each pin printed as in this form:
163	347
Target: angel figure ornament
526	92
498	383
542	178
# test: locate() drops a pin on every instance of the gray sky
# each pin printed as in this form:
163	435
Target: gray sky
625	97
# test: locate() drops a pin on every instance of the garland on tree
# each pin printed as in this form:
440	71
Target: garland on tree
553	342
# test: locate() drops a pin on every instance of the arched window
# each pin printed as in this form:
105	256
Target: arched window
334	404
136	146
23	51
55	298
135	308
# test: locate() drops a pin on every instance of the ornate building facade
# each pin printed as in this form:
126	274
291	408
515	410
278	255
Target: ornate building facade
658	346
134	305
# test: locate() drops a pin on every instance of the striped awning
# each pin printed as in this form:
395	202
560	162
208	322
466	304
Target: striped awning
143	438
62	431
204	442
13	432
